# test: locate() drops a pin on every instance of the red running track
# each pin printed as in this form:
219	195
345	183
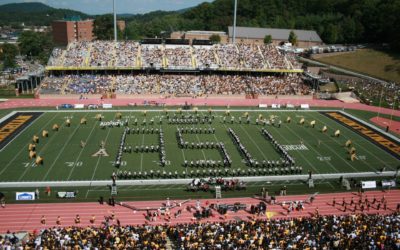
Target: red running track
394	126
25	103
26	217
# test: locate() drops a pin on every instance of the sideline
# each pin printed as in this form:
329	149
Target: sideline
303	177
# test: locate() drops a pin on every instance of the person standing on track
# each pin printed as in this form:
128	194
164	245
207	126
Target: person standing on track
58	221
37	193
43	220
2	200
93	219
77	219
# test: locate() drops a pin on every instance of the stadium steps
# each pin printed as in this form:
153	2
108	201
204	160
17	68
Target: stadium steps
194	62
265	62
164	59
63	57
237	49
89	52
288	63
114	80
112	62
139	57
216	56
65	86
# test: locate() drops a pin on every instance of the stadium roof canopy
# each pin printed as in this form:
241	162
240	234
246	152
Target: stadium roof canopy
276	34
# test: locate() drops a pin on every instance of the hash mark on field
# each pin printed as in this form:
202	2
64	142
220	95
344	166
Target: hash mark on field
61	151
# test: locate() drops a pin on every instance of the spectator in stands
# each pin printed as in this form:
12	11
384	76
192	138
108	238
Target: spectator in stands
103	54
192	85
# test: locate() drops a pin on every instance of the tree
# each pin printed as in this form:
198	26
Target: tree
267	39
104	27
8	52
215	38
331	34
292	38
35	45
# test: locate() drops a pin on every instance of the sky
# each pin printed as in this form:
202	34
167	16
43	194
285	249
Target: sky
123	6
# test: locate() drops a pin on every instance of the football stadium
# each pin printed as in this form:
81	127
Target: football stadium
170	144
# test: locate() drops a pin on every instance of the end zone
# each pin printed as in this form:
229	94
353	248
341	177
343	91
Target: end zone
14	125
380	139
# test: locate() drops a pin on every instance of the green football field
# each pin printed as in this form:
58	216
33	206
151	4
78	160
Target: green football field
66	160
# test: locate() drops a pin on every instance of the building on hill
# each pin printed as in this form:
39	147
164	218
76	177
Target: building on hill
199	35
72	29
249	35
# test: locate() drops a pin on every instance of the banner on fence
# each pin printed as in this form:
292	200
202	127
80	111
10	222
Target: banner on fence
368	184
25	196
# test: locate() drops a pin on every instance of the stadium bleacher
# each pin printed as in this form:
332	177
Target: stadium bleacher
107	54
233	69
176	84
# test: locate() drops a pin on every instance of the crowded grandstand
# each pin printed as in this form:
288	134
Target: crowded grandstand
132	55
278	72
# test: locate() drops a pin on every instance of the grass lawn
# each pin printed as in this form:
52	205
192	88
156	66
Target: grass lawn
65	159
376	63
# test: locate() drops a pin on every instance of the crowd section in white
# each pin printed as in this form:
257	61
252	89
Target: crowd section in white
176	84
129	54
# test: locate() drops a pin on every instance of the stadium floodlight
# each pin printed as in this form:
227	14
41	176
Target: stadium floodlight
234	23
115	20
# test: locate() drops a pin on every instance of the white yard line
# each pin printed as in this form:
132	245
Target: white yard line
310	146
252	140
360	145
97	163
333	139
202	151
302	156
22	149
141	156
80	152
183	154
61	151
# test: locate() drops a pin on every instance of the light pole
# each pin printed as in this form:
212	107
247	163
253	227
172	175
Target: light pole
391	114
115	20
380	101
234	23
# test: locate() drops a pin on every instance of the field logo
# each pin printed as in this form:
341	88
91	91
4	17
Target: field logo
12	126
101	152
25	196
383	141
